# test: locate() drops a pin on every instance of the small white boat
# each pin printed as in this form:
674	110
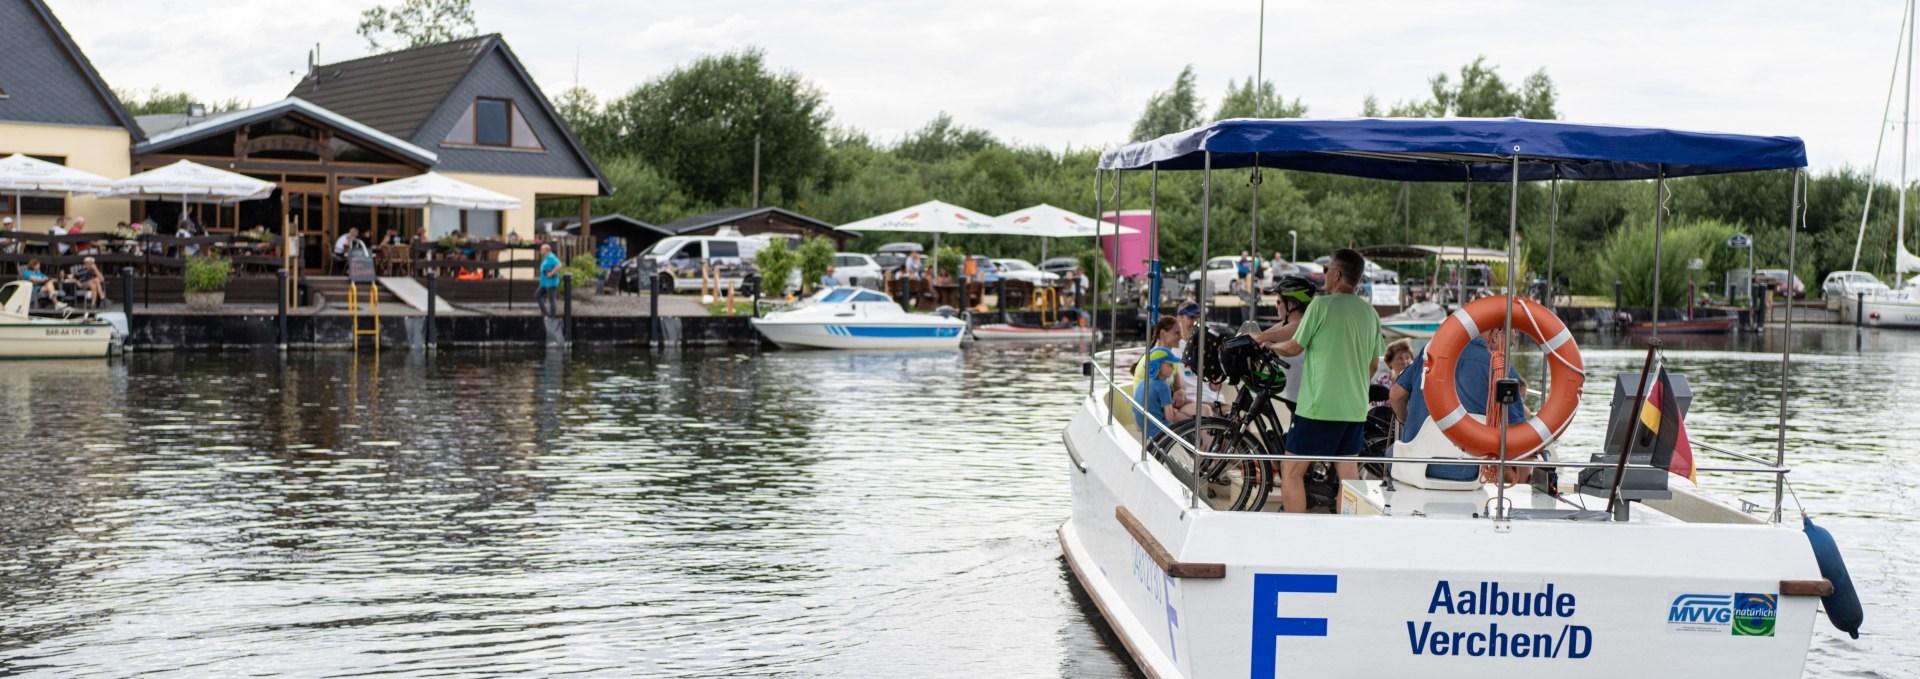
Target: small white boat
23	335
1885	309
1025	333
857	318
1418	321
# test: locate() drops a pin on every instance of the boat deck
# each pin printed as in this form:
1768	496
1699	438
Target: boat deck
1372	498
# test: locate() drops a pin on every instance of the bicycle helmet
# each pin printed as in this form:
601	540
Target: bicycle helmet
1298	288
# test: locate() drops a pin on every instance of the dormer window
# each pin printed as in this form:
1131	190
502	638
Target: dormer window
496	123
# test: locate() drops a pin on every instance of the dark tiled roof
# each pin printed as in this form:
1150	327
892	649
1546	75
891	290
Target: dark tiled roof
394	92
570	223
735	214
40	87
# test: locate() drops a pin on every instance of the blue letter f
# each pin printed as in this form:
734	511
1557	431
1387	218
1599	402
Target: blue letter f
1267	623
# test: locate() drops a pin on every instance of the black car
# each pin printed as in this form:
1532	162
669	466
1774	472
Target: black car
1059	265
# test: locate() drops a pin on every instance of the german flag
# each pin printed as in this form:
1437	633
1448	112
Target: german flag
1662	428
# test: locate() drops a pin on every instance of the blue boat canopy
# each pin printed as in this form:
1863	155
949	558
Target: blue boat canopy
1459	149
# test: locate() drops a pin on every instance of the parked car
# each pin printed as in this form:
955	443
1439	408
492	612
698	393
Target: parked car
1846	285
1223	275
1059	265
853	268
1021	270
675	262
1373	273
894	255
1780	280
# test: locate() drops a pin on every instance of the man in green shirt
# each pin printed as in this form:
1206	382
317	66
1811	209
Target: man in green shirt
1340	338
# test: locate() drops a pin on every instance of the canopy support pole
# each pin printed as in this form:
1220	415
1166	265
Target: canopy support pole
1506	334
1200	328
1093	287
1786	344
1659	225
1153	226
1466	241
1113	297
1553	236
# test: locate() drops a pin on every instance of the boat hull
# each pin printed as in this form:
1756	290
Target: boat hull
54	339
1410	329
1889	311
1700	326
1001	331
814	335
1247	594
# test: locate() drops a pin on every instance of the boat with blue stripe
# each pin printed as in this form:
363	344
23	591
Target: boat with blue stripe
857	318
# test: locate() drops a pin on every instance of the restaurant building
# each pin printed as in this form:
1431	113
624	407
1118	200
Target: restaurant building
55	107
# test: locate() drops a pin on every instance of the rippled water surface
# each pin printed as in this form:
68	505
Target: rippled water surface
692	513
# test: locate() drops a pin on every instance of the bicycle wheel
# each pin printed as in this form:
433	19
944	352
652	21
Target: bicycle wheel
1227	485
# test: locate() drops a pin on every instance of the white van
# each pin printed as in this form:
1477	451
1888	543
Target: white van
676	261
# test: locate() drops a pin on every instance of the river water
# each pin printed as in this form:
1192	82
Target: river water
698	513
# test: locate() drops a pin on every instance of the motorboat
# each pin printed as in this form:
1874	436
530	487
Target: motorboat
23	335
1417	321
1886	309
1593	566
857	318
1070	328
1707	325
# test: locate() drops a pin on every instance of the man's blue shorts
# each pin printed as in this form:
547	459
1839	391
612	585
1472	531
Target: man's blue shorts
1309	436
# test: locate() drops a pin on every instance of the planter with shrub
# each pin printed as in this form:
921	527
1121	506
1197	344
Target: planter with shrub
206	284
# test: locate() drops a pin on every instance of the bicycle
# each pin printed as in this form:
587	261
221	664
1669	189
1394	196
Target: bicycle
1251	426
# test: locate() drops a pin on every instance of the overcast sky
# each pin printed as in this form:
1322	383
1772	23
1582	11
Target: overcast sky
1072	72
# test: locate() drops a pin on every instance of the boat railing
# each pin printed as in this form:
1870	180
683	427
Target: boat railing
1193	478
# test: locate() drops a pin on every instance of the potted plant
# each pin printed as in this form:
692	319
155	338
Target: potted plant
207	282
585	272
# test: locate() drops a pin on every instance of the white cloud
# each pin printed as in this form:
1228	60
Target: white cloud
1067	72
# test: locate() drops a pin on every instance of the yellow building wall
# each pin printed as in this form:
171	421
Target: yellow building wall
521	221
105	151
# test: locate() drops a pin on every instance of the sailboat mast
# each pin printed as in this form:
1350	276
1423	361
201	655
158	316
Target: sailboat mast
1906	122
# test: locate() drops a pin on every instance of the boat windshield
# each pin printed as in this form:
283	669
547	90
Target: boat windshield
837	295
869	296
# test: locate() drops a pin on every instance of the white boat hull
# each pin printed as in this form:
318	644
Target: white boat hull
1897	309
1354	596
1017	333
809	335
48	338
1412	329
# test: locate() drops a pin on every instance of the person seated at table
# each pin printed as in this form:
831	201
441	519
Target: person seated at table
186	231
8	245
92	282
59	228
393	238
78	225
345	243
35	275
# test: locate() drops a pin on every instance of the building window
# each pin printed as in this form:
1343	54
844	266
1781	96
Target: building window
493	122
496	123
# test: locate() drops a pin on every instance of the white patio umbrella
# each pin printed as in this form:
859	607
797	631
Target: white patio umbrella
428	191
190	182
1047	221
23	176
935	217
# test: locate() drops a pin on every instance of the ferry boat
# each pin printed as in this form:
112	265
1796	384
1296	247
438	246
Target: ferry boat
23	335
1423	578
857	318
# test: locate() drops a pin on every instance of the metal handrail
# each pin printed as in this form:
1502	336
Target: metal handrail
1160	425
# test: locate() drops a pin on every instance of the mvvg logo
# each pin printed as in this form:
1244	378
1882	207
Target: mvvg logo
1742	614
1711	609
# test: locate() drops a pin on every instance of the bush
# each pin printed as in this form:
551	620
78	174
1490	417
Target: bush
208	274
583	268
775	262
814	257
1628	257
947	260
1099	275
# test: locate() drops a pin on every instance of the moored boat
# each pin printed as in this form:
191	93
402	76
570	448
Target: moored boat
1026	333
1418	321
1716	325
1460	577
23	335
857	318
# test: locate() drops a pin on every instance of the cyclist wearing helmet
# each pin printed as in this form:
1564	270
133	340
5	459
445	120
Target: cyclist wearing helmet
1295	293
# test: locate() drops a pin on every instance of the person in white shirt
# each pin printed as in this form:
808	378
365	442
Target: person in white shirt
60	229
346	241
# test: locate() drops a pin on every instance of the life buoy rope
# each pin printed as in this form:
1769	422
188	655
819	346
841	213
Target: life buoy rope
1561	400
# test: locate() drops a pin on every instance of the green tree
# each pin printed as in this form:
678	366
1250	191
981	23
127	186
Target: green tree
941	139
1240	103
1171	111
588	119
775	262
157	100
697	124
1482	93
412	23
815	255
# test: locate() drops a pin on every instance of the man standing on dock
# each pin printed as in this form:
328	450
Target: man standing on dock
1340	338
549	280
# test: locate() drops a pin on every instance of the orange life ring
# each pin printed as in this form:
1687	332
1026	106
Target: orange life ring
1443	402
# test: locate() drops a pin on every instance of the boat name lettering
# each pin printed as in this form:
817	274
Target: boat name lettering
65	332
1158	584
1489	599
1571	641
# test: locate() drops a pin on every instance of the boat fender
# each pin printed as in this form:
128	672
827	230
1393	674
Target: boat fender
1843	605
